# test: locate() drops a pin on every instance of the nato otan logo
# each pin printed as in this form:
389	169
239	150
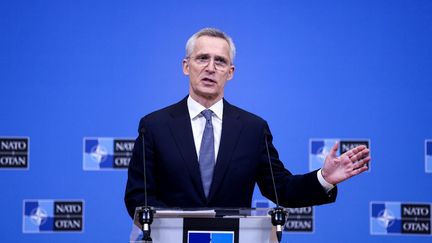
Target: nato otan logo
48	216
395	218
319	148
428	155
210	236
107	153
300	220
14	153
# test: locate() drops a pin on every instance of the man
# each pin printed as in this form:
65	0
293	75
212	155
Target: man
205	152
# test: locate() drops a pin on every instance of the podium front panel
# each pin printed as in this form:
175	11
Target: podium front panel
177	230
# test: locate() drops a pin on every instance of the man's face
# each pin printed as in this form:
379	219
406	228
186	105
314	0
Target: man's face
209	67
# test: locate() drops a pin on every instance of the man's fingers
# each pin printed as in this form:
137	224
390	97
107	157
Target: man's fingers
360	155
359	170
357	153
350	153
334	149
362	163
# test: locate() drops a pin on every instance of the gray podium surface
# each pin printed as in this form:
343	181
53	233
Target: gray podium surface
170	228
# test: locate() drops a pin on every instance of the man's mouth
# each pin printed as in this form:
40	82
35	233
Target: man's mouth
208	80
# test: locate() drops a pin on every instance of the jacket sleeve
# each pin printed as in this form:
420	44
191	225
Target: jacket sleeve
293	190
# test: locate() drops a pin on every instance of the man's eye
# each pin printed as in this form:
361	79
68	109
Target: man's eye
202	58
220	60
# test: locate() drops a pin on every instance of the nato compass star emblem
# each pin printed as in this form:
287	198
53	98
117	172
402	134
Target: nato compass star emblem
99	153
323	152
386	218
38	216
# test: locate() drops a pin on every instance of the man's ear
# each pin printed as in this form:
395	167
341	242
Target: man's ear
231	72
185	65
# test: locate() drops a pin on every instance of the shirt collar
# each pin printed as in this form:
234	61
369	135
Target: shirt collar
195	108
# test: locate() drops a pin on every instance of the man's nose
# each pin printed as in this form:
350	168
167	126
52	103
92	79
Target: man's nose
211	65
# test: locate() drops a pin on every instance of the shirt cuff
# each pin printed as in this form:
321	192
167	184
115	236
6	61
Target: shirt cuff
327	186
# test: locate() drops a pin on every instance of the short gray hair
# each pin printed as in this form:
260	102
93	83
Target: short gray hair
212	32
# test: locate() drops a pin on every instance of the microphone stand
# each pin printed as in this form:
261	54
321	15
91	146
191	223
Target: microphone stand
146	216
278	214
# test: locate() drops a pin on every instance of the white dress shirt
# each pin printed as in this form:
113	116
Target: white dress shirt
198	124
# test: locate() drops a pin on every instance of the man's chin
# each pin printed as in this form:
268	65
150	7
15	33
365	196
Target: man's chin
208	94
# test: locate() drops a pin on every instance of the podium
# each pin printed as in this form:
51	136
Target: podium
202	225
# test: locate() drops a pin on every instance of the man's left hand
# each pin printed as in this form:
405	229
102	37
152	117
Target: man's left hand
353	162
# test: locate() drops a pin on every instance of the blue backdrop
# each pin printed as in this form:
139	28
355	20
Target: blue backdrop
327	69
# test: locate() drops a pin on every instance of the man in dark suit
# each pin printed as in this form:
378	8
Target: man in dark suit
205	152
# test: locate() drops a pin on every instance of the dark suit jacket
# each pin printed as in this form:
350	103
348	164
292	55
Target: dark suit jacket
173	174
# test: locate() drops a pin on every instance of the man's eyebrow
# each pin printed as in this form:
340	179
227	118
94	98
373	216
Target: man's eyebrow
203	55
220	58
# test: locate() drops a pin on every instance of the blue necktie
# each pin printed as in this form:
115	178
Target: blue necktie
207	153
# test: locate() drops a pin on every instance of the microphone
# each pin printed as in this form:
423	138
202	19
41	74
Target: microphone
278	214
146	216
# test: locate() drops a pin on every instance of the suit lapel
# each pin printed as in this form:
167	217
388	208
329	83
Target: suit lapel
231	129
181	129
